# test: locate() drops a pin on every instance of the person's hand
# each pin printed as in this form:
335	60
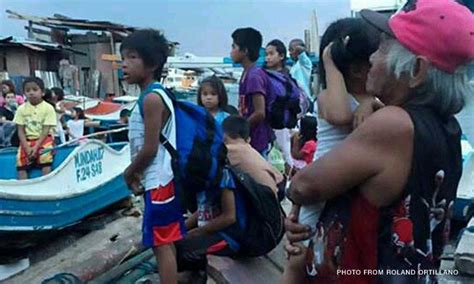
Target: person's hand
133	182
362	112
327	56
295	232
32	152
299	49
297	138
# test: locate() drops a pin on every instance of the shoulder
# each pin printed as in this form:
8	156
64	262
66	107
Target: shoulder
257	72
153	99
389	124
22	108
47	107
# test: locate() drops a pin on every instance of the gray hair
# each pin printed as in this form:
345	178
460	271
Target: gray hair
443	91
297	41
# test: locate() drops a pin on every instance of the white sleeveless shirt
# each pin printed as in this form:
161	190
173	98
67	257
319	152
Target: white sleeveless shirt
330	135
159	172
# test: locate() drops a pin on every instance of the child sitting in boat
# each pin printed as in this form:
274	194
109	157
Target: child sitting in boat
36	120
76	125
304	143
213	96
124	116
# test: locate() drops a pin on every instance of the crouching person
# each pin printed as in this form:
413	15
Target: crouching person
222	225
215	228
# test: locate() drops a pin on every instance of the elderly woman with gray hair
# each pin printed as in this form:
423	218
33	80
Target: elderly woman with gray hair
401	167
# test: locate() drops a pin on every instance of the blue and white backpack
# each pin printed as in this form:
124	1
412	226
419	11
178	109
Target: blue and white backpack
200	152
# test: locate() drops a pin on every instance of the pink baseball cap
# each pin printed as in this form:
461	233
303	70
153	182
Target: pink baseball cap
441	30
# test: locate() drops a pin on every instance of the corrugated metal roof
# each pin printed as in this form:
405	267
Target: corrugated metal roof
63	22
35	45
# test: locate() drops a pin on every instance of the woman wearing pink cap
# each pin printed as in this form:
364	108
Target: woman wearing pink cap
403	164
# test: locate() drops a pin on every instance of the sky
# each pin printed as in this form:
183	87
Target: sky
202	27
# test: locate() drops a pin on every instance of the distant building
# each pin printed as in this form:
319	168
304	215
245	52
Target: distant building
20	58
95	53
387	7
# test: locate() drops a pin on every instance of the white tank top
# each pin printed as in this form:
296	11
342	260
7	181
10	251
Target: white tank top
159	172
330	135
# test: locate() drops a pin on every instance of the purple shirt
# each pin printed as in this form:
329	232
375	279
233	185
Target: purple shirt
254	80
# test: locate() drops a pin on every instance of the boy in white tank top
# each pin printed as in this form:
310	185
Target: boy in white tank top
144	54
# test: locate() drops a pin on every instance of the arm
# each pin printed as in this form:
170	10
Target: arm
334	102
91	123
224	220
44	134
191	222
258	115
22	137
296	147
305	61
376	157
154	113
49	122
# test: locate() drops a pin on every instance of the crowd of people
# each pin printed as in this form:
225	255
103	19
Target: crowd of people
373	168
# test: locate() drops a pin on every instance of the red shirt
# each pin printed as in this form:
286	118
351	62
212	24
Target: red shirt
308	150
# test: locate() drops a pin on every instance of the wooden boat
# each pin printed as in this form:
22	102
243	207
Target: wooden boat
85	179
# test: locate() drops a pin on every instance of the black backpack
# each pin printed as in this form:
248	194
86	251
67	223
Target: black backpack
265	216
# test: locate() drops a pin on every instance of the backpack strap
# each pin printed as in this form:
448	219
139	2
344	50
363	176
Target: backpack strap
163	140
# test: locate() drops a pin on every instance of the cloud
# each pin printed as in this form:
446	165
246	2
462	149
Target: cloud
202	27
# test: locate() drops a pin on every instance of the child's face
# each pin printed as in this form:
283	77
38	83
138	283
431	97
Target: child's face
272	57
236	54
34	93
54	98
5	89
134	69
209	98
10	98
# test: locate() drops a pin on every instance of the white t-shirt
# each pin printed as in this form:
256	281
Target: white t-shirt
76	128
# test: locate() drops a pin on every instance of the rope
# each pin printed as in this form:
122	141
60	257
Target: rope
63	278
146	266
